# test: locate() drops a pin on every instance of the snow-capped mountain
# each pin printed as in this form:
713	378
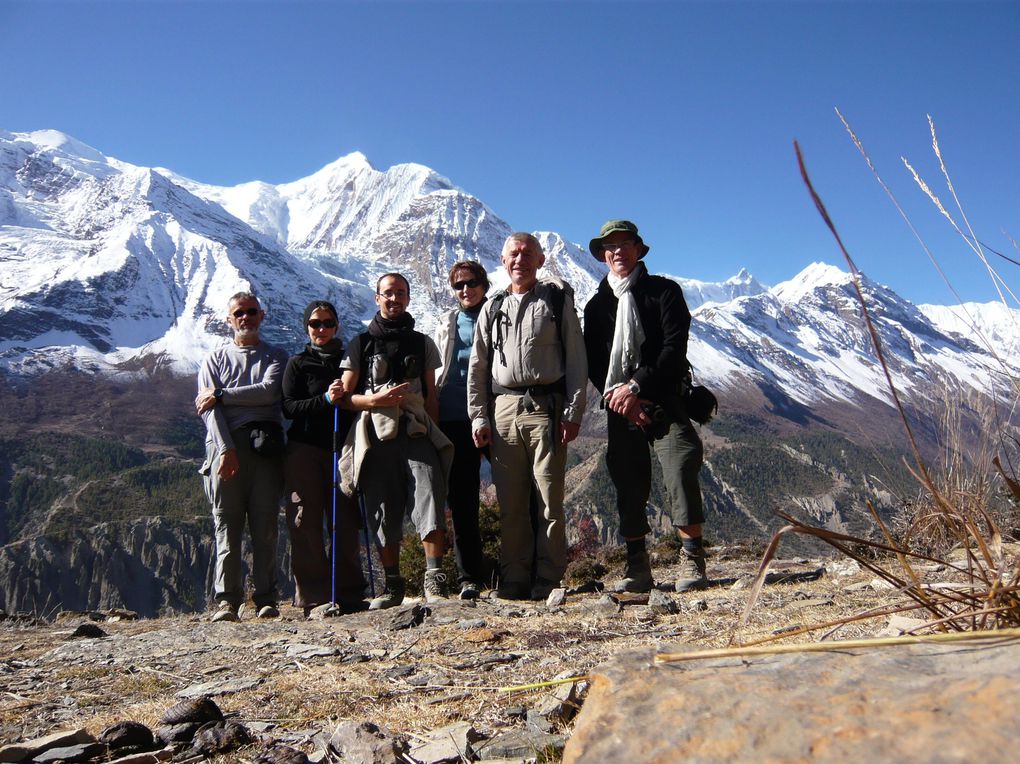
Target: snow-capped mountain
806	340
698	293
111	267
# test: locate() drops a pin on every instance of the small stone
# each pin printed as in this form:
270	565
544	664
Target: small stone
127	733
743	582
556	597
409	618
901	624
560	702
182	732
29	748
608	605
400	671
80	752
226	687
282	754
149	757
219	737
300	650
199	710
518	743
471	623
88	631
446	745
367	743
660	602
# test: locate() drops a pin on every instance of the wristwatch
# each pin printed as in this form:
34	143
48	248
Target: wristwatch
218	393
634	387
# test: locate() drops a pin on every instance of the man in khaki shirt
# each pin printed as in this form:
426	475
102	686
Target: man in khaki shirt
526	395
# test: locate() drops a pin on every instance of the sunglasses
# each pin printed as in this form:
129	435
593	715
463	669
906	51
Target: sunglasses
328	323
617	247
249	312
469	284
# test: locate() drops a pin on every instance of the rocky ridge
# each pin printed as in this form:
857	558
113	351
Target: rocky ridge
421	674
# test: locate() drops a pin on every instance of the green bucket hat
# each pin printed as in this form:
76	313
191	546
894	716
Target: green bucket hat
612	226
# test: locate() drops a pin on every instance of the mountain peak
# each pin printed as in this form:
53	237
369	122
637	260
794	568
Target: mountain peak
815	276
57	141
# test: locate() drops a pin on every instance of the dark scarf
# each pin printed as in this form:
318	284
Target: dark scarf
331	351
390	328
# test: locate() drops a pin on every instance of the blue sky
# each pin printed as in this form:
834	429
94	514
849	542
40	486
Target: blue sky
680	116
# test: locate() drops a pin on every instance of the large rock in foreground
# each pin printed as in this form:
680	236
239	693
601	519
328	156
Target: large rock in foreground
925	702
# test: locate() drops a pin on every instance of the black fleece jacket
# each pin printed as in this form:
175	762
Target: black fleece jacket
666	321
307	376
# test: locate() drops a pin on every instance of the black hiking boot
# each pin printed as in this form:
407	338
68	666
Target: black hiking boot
638	575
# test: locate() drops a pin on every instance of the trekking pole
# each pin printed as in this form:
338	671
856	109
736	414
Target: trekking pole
336	487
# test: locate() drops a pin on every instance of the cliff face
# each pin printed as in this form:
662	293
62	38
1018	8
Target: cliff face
154	566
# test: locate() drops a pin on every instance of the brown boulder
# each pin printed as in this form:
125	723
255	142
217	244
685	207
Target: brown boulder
924	702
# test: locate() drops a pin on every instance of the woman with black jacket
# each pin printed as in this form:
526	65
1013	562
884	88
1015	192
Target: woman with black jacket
311	393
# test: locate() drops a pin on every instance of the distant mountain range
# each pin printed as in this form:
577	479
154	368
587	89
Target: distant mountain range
114	281
112	268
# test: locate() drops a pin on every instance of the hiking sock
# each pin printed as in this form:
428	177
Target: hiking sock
693	547
392	571
635	546
433	563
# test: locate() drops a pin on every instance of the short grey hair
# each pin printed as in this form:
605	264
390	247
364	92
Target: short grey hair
243	296
524	236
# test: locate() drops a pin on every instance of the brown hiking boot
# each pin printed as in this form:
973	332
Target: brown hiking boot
691	574
638	576
434	586
392	596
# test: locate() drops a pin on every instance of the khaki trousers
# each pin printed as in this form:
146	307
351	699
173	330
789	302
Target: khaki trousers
527	453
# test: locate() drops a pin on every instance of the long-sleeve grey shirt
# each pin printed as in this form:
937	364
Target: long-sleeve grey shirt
250	377
534	352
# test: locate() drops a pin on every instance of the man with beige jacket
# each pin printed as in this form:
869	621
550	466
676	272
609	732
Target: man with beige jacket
527	382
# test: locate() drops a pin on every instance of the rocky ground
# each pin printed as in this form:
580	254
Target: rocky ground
413	671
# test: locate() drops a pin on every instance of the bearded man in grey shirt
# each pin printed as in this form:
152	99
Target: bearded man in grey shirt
239	401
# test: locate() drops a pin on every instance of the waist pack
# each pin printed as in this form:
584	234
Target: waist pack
267	438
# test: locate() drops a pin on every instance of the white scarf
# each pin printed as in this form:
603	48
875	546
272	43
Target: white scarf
625	356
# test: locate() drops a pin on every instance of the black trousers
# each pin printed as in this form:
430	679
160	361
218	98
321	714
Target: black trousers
462	498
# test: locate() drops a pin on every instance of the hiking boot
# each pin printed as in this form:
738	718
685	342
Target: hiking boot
543	588
512	591
225	612
637	577
691	574
268	611
434	585
392	596
469	590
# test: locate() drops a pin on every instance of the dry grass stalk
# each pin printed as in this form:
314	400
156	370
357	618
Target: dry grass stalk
846	644
972	324
956	510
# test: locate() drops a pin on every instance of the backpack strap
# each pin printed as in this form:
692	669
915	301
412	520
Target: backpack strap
412	343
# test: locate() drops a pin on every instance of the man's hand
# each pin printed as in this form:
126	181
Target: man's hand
205	400
568	431
625	403
336	391
389	397
482	437
229	465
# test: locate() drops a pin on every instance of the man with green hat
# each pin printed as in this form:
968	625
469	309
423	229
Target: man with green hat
636	327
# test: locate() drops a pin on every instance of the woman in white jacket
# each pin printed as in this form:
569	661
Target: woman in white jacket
454	337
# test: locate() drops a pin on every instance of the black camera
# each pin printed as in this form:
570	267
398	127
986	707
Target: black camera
659	424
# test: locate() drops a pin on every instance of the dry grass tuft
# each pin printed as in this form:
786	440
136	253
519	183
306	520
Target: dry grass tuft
944	557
